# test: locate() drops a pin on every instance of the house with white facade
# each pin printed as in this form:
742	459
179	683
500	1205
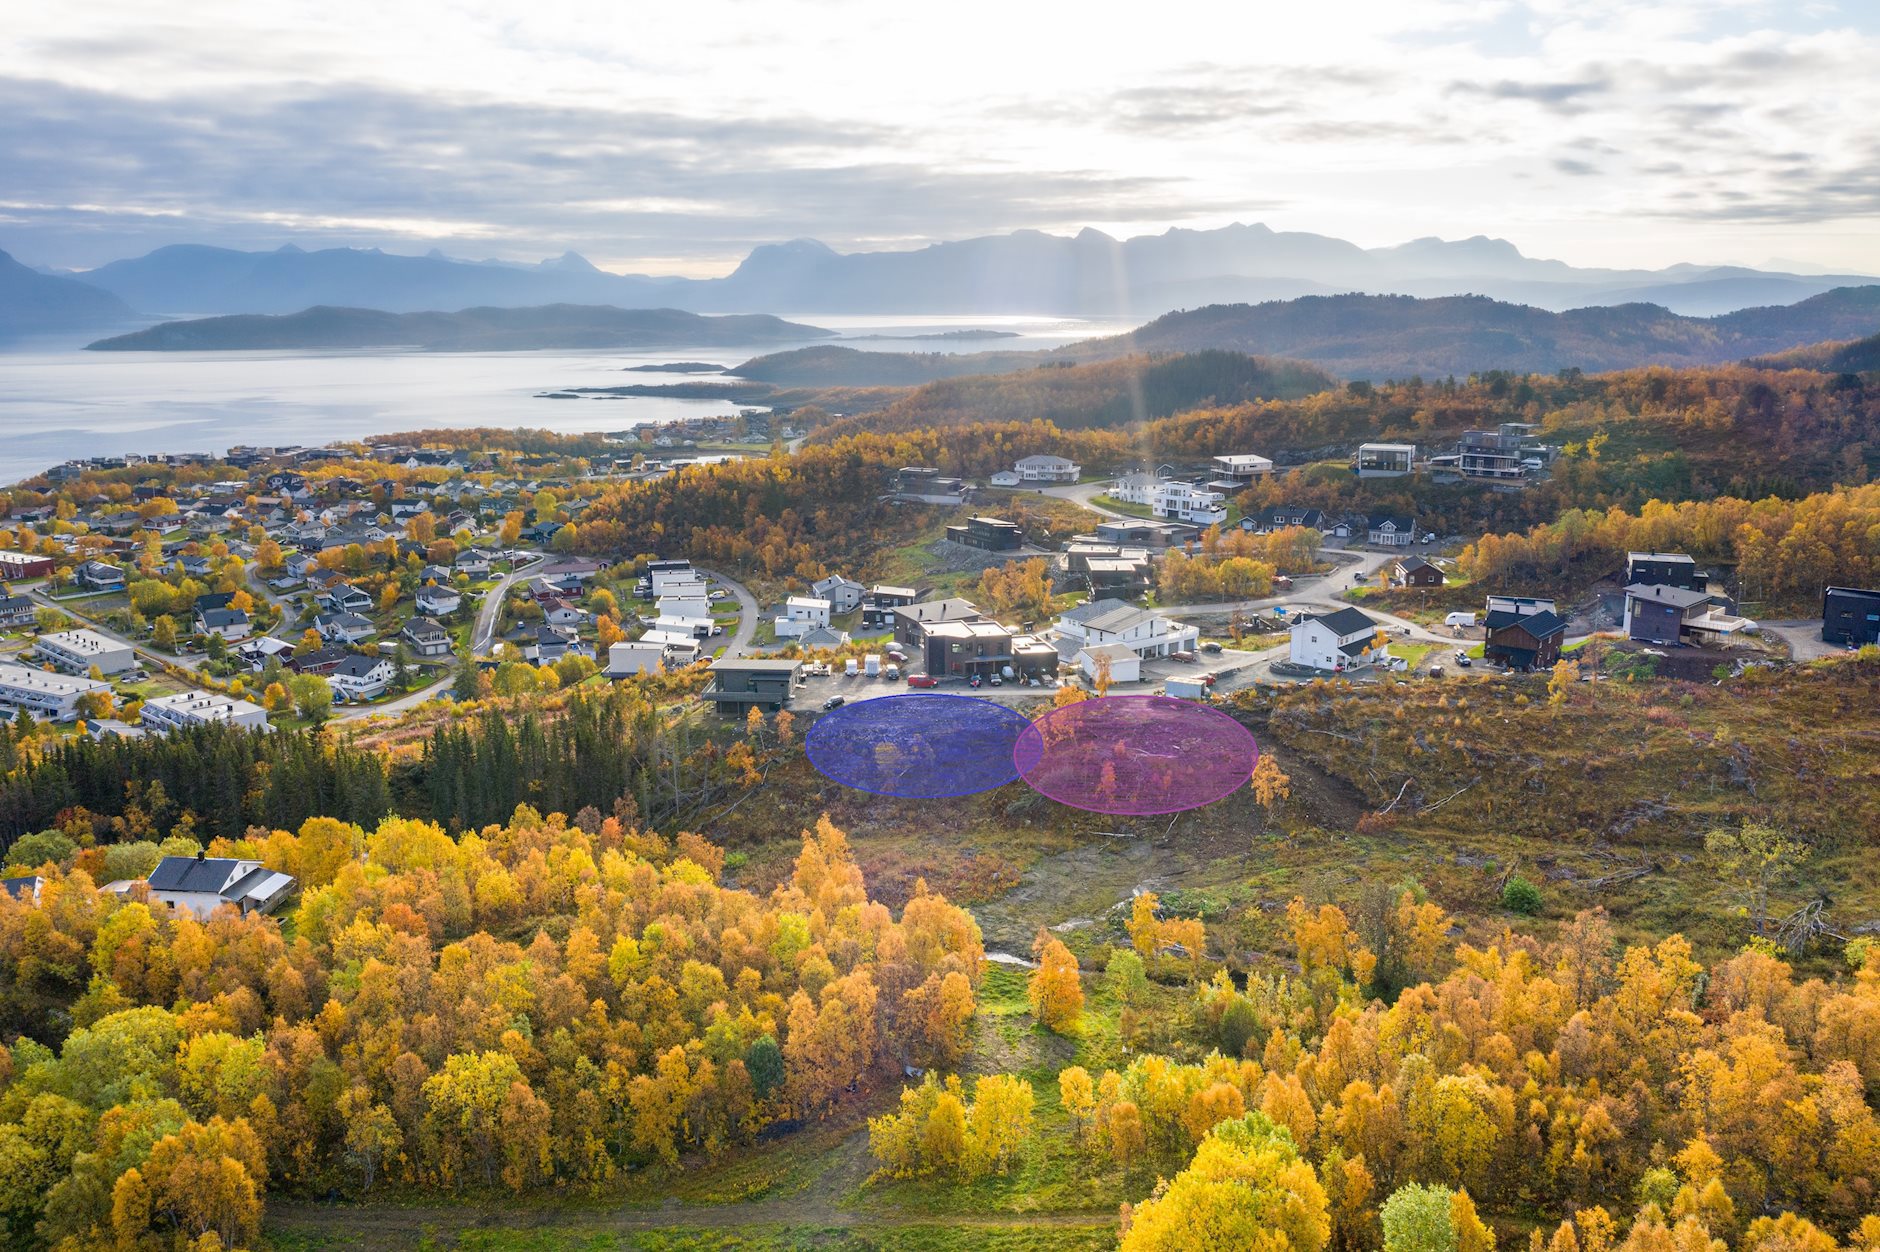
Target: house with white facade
637	656
201	708
360	677
1047	469
344	627
437	600
1393	532
1122	662
425	637
1243	466
1144	632
1342	640
200	885
1185	502
231	624
50	697
802	614
77	651
1005	478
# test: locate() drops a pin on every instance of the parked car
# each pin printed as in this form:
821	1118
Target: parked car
997	681
1463	661
1436	671
973	682
922	680
1211	647
834	702
1186	658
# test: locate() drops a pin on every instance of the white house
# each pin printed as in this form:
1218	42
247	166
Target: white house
844	594
231	624
201	708
255	651
682	606
1342	640
343	627
1125	665
76	651
1384	460
1185	502
1047	469
1145	633
360	677
801	615
52	697
674	581
201	884
438	600
1393	532
1242	465
1005	478
1136	487
624	660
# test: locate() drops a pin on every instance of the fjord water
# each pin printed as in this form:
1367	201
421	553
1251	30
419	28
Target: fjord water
58	401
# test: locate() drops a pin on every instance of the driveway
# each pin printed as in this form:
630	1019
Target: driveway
1804	639
481	635
747	613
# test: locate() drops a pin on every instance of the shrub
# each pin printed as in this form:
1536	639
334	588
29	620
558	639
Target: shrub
1521	896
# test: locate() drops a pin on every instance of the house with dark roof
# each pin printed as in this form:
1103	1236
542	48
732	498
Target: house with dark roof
1393	532
1665	569
1144	632
1414	571
231	624
343	627
1656	613
1280	516
100	576
25	887
17	611
360	677
322	661
200	885
1524	632
425	637
1344	639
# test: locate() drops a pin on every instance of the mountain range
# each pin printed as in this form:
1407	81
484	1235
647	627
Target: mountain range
1377	337
31	302
472	330
1088	274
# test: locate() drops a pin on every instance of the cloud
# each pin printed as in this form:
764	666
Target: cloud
1571	96
1574	166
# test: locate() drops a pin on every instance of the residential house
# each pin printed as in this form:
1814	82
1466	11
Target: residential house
741	683
561	613
924	484
298	565
823	637
436	600
1665	569
162	714
1655	613
360	677
802	614
80	651
17	611
913	621
1005	478
256	650
1282	516
1187	502
1393	532
1345	639
473	565
992	534
1508	456
344	627
1244	467
1414	571
49	697
343	597
1383	460
1154	535
230	624
200	885
1524	632
23	887
1047	469
1144	632
571	570
879	604
844	594
321	661
100	576
425	637
1850	616
626	660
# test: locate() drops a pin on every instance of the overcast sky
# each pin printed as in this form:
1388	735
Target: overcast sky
670	138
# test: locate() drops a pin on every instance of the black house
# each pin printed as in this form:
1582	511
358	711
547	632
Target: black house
737	684
1850	615
994	534
1664	569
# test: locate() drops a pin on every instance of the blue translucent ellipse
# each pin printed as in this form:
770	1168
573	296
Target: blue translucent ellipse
919	747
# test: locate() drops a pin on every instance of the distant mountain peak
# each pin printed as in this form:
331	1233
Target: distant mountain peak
570	263
290	249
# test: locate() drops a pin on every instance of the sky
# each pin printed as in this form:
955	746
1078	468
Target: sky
670	139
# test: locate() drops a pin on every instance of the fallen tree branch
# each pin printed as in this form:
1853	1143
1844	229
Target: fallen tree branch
1619	876
1452	795
1393	804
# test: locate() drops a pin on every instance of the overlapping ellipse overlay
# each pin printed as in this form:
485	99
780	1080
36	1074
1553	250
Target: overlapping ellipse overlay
1136	755
921	746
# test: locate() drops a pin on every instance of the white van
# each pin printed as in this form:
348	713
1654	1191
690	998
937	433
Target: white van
1459	619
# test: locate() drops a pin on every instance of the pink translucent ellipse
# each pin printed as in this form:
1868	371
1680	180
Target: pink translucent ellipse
1136	755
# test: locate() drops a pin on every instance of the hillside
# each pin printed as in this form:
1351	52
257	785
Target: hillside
482	329
1856	356
31	301
831	365
1361	336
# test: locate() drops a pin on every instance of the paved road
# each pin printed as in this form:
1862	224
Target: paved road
1086	495
70	610
747	612
482	635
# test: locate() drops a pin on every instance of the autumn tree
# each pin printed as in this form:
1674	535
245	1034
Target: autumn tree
1757	857
1245	1188
1055	988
